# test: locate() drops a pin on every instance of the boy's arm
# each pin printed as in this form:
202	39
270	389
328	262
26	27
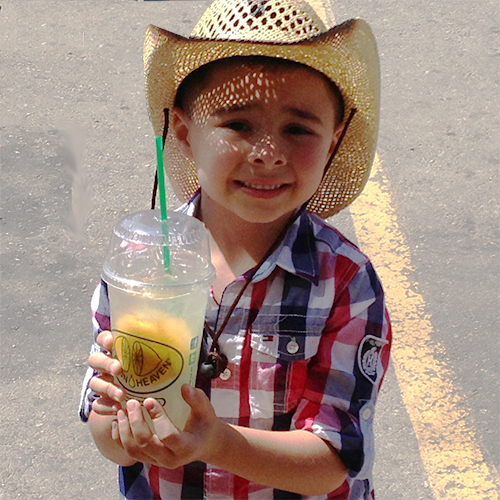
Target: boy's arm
296	461
344	376
100	323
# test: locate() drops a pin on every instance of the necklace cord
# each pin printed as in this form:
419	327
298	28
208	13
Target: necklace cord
216	361
341	138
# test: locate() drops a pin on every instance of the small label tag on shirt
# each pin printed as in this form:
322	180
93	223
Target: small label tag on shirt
369	355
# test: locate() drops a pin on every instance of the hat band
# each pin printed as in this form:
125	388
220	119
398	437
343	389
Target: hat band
341	138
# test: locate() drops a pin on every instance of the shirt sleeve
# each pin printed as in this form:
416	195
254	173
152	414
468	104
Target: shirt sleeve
344	376
100	322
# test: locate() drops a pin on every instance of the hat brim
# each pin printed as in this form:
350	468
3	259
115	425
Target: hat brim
346	54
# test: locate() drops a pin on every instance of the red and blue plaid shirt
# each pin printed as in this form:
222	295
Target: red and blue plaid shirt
308	345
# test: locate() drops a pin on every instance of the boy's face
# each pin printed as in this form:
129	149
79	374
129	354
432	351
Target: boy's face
260	139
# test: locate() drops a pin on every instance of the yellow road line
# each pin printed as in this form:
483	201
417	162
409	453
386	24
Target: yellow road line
448	445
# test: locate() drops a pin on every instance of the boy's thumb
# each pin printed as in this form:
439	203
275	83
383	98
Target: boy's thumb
196	399
188	394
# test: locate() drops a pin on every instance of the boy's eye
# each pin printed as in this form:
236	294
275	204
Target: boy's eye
237	125
298	130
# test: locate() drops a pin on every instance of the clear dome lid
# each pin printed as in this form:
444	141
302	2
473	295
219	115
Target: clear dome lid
139	241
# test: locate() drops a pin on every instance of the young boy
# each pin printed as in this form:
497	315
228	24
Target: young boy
269	118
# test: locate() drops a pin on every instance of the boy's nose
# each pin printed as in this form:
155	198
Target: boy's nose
265	153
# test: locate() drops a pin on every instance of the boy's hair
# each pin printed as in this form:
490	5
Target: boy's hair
192	86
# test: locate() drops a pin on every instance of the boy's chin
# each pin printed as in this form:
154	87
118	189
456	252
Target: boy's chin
264	216
242	212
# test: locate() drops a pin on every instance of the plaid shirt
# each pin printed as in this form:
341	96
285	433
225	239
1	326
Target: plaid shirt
308	345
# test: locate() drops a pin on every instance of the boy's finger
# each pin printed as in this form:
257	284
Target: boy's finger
105	406
103	388
125	435
164	427
148	452
105	340
138	425
104	363
115	434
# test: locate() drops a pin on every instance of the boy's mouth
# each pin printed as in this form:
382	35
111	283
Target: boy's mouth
261	187
261	190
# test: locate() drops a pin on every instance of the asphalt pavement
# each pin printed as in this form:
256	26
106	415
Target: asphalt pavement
77	151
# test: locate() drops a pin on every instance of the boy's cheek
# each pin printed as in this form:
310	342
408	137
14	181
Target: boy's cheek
202	178
226	148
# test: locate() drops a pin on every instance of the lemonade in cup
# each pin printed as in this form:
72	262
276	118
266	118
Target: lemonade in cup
157	317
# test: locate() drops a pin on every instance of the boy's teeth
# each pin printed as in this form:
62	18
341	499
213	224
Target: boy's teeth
265	188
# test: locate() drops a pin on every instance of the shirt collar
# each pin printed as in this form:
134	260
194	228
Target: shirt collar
297	253
191	207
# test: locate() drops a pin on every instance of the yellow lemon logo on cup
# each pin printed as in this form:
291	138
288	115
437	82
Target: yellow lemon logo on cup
148	365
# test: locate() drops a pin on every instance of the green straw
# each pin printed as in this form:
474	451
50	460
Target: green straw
163	202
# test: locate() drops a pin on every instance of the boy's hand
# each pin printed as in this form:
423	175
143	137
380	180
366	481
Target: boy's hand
110	394
169	447
282	460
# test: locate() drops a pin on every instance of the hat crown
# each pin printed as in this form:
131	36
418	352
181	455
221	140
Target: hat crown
280	21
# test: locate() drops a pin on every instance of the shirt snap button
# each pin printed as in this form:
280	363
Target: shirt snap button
366	414
292	347
225	375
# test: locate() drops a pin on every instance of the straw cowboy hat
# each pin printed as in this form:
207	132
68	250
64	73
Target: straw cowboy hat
296	30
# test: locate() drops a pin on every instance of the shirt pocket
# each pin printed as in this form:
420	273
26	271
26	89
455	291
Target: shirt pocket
280	359
287	338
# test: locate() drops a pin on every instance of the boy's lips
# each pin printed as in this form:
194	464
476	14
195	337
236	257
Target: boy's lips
262	189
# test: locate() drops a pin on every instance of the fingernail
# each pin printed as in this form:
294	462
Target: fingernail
121	415
114	430
149	403
132	405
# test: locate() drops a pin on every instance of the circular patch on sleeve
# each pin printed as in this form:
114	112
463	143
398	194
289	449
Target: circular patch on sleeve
369	357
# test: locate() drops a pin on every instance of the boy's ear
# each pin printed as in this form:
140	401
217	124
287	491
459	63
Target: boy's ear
337	132
180	123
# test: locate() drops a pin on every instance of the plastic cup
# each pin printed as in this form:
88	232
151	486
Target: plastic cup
157	314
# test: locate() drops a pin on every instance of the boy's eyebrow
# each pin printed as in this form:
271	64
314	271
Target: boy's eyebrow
224	110
300	113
